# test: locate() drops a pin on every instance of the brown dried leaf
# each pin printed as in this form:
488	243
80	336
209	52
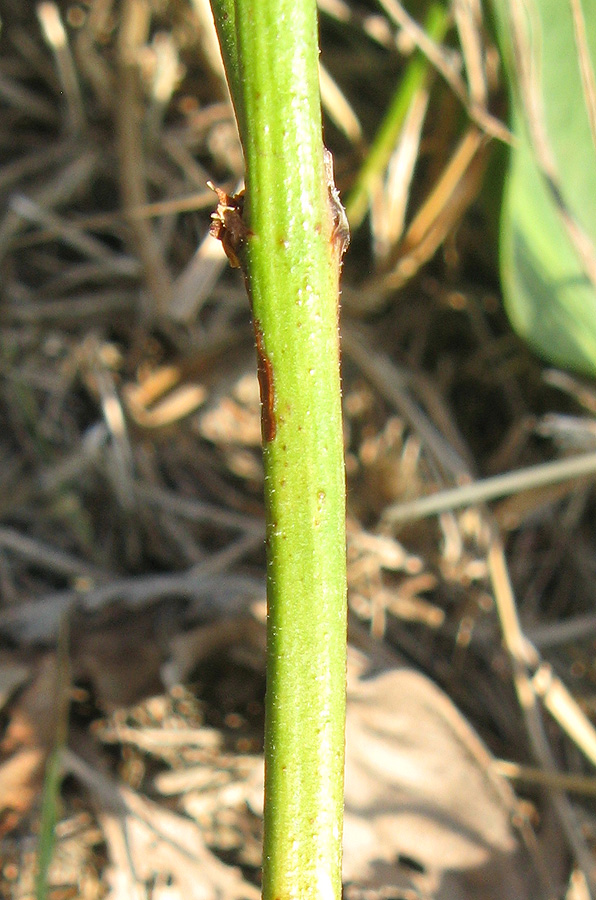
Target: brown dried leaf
422	801
20	783
26	743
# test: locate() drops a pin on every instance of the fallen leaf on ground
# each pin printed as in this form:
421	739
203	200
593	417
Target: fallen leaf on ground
423	804
26	743
148	844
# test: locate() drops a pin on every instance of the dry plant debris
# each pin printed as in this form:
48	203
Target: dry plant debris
130	486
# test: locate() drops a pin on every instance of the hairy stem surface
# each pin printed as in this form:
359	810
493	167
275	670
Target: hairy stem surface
288	236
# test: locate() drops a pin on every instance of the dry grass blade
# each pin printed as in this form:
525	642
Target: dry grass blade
450	196
468	19
161	400
558	780
55	35
193	286
388	214
32	163
565	710
198	510
26	101
491	488
73	236
525	659
446	63
132	33
119	450
86	308
338	107
48	557
208	38
545	637
392	383
458	185
147	841
59	188
585	64
210	595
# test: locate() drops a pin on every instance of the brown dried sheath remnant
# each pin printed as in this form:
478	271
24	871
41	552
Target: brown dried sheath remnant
341	230
228	225
265	376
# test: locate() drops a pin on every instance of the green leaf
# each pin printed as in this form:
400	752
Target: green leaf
549	296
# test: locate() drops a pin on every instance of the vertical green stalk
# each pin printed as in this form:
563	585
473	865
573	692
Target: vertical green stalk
50	803
287	236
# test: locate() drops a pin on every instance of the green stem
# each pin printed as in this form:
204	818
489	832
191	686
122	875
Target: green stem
53	771
291	256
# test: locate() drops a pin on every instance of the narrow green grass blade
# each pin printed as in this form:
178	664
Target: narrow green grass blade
49	818
53	773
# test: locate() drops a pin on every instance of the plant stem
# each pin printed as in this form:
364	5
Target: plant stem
53	771
290	252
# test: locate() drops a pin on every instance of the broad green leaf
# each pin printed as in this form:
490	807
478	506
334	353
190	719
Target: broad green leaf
550	299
